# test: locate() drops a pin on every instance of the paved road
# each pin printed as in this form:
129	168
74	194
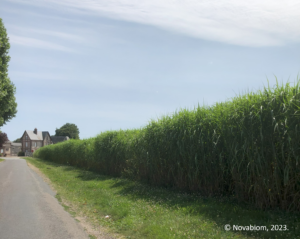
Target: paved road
28	208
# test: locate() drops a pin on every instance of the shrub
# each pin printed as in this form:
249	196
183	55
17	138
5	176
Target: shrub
21	153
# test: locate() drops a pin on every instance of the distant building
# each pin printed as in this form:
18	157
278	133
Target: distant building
10	149
34	139
58	139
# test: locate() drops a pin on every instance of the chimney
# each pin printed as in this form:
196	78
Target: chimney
35	131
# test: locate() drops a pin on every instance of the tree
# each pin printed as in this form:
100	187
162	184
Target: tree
17	140
68	129
8	105
3	139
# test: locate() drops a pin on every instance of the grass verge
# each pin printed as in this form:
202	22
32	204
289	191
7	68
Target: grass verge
1	160
136	210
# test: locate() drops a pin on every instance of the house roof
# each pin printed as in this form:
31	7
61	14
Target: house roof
33	136
57	139
44	133
16	144
6	142
39	136
13	144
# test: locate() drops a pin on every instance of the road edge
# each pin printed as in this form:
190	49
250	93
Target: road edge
94	233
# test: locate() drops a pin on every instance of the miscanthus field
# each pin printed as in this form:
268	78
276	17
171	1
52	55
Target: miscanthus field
246	148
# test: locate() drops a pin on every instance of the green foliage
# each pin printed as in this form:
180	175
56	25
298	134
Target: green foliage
17	140
247	147
21	153
8	105
70	130
137	210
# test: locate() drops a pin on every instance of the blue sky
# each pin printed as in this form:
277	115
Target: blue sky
109	65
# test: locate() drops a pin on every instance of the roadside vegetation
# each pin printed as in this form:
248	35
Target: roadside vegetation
1	160
138	210
246	148
8	105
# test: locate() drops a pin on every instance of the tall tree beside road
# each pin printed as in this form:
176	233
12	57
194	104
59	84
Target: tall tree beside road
68	129
3	138
8	105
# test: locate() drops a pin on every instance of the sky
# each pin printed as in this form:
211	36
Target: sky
110	65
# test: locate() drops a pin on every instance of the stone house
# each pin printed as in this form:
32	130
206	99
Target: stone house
10	148
32	140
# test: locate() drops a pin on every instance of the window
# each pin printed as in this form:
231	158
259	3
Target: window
35	144
26	144
26	136
7	149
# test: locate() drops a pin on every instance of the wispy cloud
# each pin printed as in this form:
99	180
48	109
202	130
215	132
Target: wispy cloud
36	43
250	23
57	34
32	77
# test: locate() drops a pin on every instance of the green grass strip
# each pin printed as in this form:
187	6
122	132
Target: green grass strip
137	210
1	160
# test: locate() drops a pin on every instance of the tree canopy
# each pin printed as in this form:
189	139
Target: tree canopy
18	140
8	105
68	129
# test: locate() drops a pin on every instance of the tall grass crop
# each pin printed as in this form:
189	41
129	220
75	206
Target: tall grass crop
247	147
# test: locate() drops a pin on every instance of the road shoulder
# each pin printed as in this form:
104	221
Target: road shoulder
95	232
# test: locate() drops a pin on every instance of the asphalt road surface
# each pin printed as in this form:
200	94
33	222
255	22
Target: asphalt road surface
28	208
